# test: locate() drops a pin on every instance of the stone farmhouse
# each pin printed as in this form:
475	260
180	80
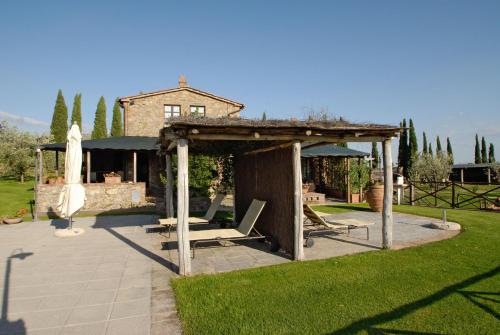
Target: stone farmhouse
136	159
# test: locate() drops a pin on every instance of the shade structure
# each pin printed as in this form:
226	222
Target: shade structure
72	196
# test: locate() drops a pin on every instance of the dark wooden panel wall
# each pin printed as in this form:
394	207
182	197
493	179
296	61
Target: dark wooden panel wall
267	176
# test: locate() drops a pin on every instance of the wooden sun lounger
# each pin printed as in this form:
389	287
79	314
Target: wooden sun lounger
169	223
335	225
245	228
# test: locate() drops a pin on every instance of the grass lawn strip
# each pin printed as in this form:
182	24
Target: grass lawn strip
447	287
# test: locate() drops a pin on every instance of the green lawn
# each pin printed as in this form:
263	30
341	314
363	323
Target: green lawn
447	287
14	195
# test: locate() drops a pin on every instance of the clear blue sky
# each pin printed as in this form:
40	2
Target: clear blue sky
379	61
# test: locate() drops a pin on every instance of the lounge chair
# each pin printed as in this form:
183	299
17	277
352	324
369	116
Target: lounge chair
245	228
336	226
209	215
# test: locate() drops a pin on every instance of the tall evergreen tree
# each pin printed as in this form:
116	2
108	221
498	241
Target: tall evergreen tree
100	130
430	150
449	150
374	155
264	116
59	125
412	146
403	147
484	156
116	123
477	152
424	149
76	114
491	154
439	149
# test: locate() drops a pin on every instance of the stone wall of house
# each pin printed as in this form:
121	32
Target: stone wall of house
145	116
101	197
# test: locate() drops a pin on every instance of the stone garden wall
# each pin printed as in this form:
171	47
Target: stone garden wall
101	197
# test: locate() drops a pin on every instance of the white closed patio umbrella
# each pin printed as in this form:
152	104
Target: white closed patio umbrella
72	196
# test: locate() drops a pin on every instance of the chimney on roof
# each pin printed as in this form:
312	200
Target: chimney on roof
182	81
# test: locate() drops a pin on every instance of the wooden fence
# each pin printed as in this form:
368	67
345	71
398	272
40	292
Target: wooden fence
451	194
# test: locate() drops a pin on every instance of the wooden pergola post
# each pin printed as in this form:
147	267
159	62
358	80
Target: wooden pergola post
387	209
347	180
462	177
135	166
40	166
489	176
169	187
183	208
88	166
298	217
359	179
57	163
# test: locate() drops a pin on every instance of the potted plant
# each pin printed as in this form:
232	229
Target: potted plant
60	180
112	178
375	196
17	218
51	178
358	175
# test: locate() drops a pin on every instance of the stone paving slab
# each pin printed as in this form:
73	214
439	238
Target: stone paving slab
100	282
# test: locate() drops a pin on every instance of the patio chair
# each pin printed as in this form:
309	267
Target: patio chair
336	226
243	232
209	215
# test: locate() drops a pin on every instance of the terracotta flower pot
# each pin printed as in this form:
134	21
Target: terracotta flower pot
375	197
355	198
113	180
12	220
51	181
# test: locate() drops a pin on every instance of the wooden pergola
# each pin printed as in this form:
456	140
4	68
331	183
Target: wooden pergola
267	167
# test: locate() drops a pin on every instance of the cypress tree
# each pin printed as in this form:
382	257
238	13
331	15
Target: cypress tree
412	146
424	149
100	130
116	124
374	155
403	147
59	125
439	149
477	152
264	116
430	150
484	156
449	150
491	154
76	114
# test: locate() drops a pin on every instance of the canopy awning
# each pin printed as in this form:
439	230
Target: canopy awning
331	150
130	143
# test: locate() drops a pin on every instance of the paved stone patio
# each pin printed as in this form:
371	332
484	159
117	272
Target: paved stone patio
115	279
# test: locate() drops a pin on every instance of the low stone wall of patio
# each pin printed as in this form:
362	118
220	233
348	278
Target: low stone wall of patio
101	197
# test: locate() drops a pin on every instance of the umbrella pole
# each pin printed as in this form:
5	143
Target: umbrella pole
71	223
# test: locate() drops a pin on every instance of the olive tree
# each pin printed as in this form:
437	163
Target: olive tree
17	151
431	169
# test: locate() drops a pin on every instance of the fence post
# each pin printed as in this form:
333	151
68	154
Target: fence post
412	194
452	194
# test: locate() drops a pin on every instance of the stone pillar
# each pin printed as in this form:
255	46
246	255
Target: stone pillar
169	193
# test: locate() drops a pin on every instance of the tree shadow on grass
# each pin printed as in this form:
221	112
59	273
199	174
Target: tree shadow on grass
369	324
